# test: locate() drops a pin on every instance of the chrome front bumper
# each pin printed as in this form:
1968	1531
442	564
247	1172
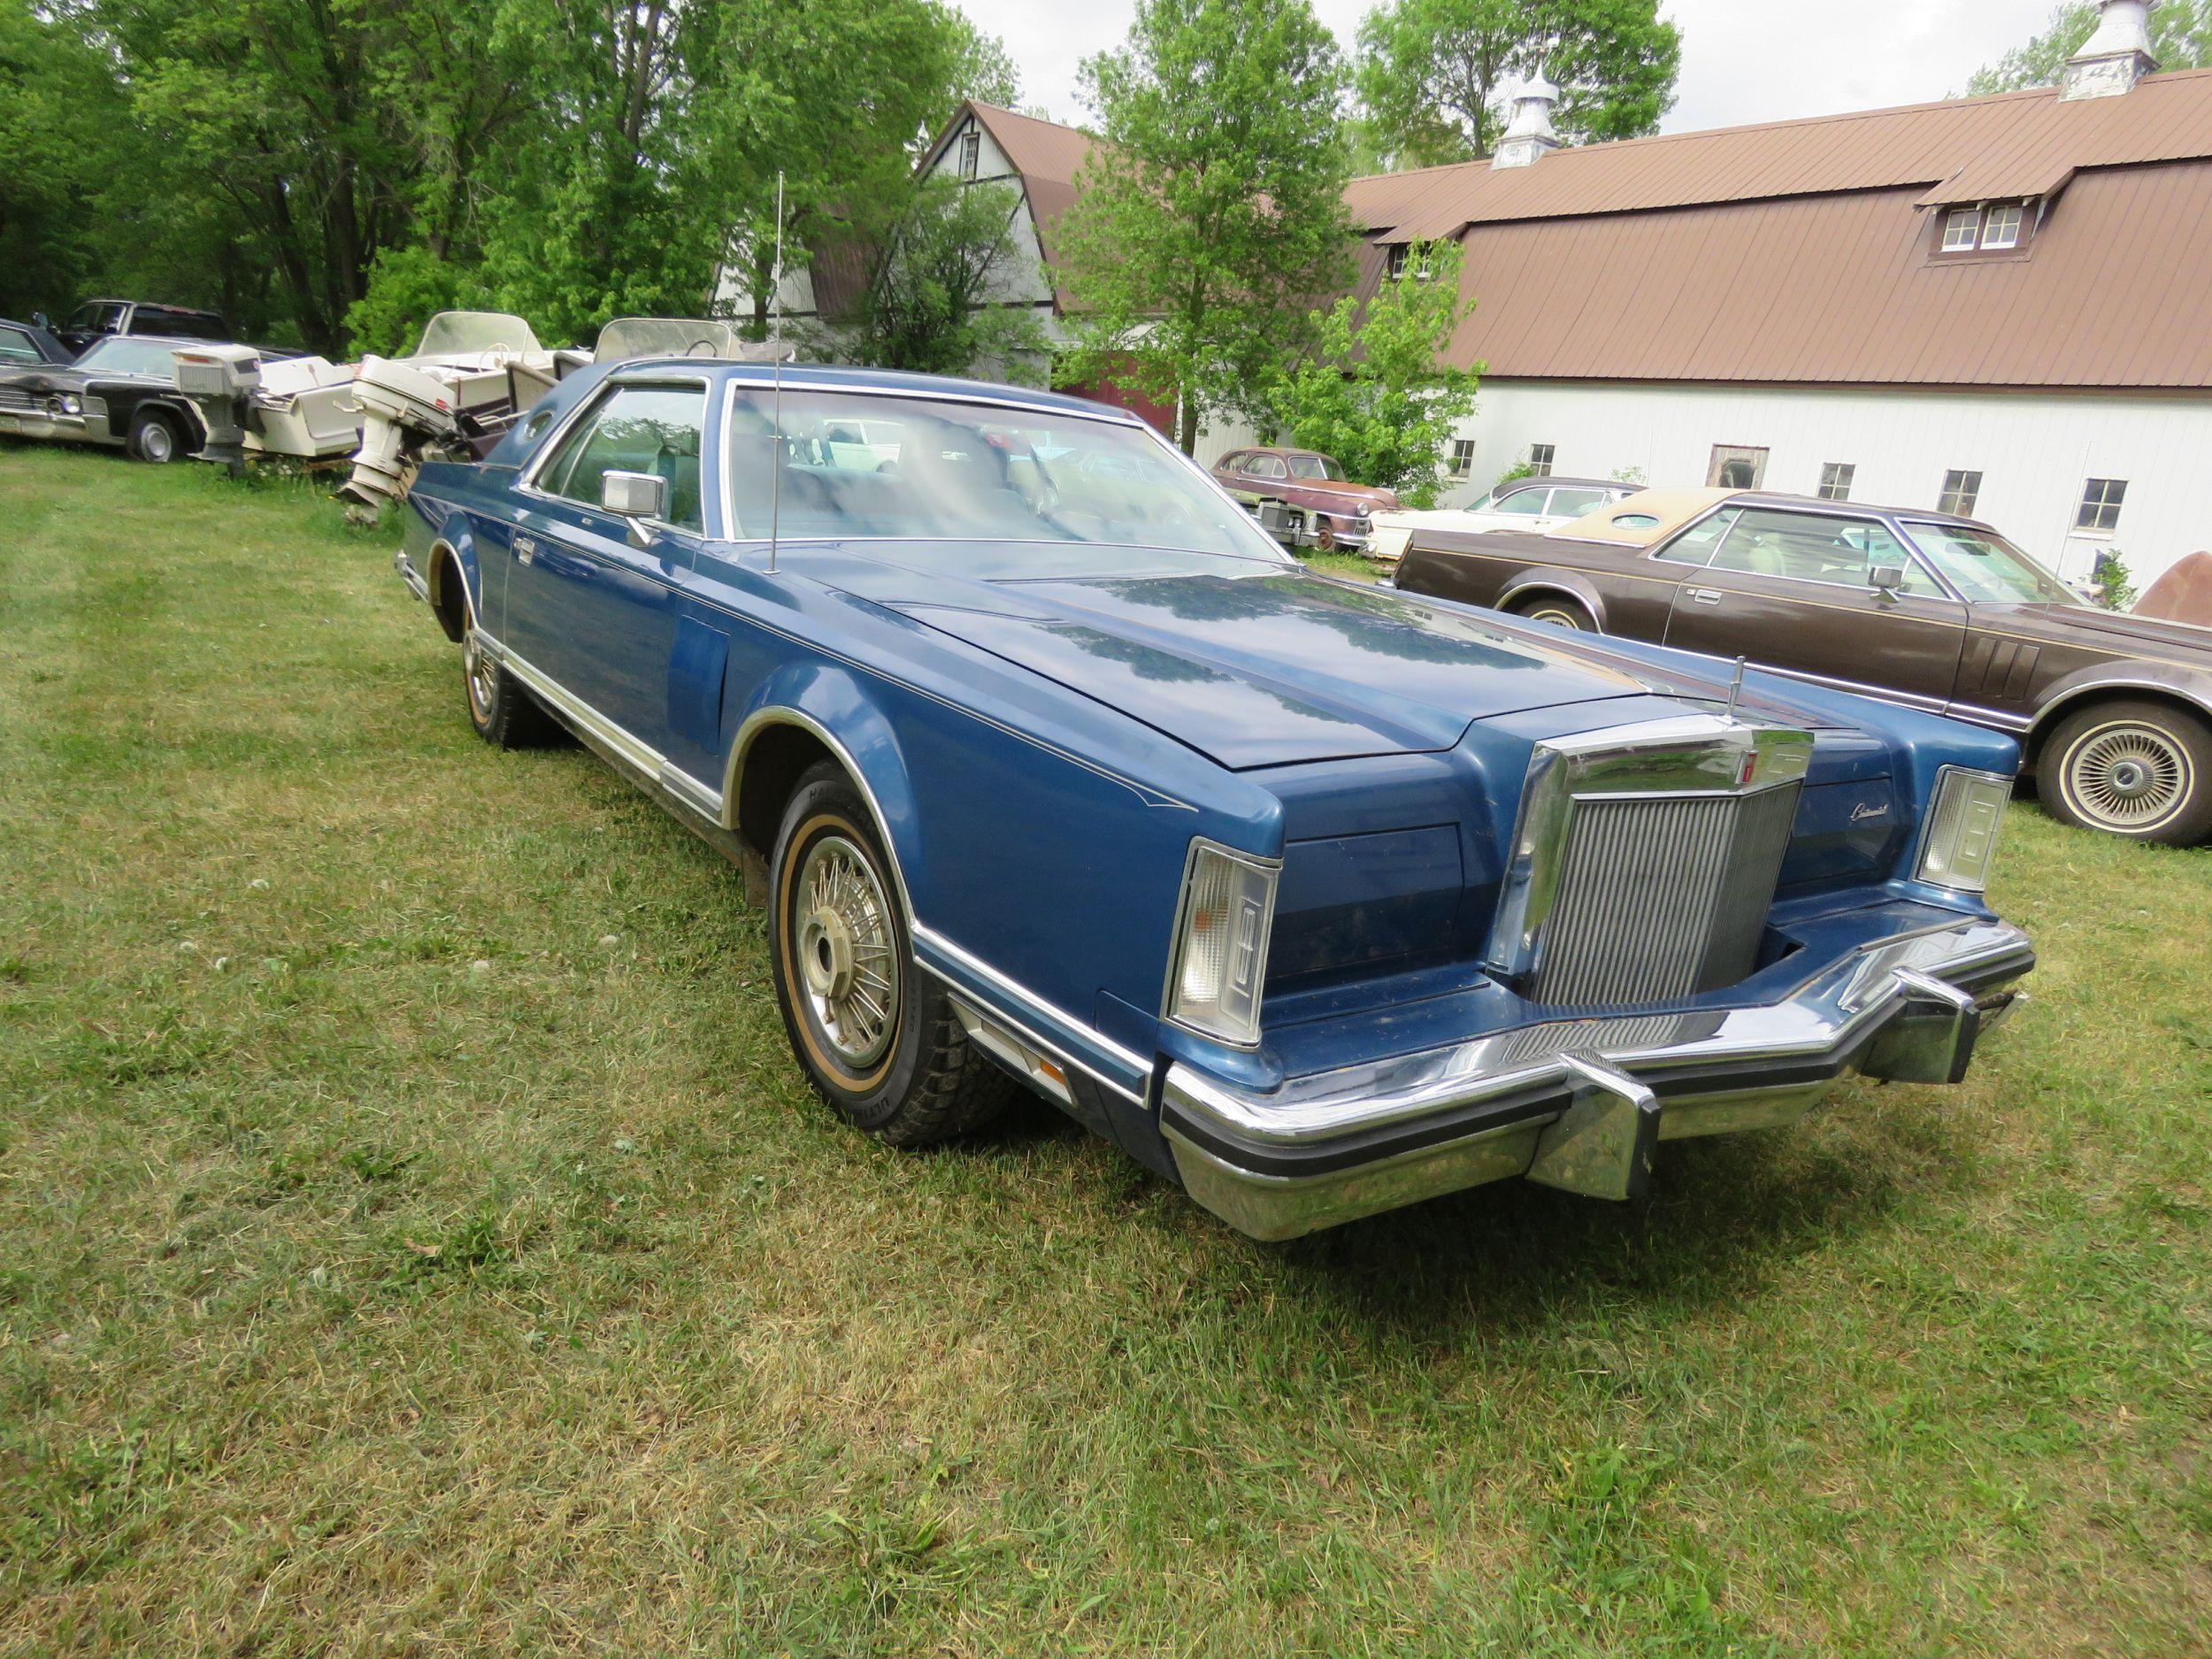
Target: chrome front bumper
1580	1105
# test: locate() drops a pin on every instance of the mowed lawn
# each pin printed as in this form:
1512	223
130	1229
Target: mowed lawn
414	1238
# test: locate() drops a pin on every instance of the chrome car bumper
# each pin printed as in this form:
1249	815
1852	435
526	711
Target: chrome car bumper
412	577
17	423
1580	1105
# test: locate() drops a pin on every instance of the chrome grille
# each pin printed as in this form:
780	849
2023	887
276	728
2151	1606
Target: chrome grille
1661	896
14	397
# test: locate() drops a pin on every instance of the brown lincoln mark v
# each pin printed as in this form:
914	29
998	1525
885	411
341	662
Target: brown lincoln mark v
1337	511
1925	609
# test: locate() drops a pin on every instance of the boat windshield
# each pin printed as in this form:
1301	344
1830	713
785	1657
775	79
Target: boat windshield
999	490
455	334
628	337
1986	568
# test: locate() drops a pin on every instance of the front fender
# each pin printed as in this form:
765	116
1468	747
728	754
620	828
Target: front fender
2121	678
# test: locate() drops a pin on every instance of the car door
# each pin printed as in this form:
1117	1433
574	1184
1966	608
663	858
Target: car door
584	606
1792	590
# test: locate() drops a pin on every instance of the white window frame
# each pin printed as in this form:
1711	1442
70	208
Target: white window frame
2013	218
1463	462
1541	458
2100	497
1836	479
1960	498
970	153
1962	230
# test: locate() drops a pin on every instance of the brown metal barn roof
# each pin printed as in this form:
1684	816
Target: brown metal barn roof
1847	290
1963	149
1047	156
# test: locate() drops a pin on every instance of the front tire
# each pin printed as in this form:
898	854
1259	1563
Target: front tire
877	1037
2135	769
156	438
503	714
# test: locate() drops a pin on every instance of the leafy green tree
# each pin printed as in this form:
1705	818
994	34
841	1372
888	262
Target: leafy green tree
1379	394
1213	213
1435	75
949	254
2181	38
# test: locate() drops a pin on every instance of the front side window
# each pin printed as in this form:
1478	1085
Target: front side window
1835	480
1807	547
95	314
1963	230
1462	457
2101	499
1987	568
1961	491
1268	466
989	487
655	429
1540	458
1527	502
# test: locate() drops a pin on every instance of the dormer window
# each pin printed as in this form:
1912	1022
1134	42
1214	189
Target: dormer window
970	152
1987	227
1397	256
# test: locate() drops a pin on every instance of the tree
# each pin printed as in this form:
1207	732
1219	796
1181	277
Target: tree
2181	38
1434	75
950	252
1213	212
1378	393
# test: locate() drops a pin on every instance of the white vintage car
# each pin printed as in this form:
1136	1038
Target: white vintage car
1526	504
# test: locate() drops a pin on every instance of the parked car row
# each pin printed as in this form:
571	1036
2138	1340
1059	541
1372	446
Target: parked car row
1318	898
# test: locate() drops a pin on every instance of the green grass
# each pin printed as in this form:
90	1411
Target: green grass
393	1263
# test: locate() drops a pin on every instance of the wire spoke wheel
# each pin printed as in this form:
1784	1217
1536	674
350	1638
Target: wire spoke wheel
483	679
2128	776
847	952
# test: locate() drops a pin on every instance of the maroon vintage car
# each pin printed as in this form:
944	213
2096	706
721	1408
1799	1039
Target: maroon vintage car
1333	511
1925	608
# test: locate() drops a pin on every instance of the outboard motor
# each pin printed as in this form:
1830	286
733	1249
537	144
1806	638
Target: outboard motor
403	410
218	379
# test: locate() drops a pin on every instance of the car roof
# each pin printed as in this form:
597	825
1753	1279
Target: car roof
159	306
830	377
1534	480
1860	509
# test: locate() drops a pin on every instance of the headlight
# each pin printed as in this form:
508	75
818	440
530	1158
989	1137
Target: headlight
1221	932
1364	509
1961	840
68	405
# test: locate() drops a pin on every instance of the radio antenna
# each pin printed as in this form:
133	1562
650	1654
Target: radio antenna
775	466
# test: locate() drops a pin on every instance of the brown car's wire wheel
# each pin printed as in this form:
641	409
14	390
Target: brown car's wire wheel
2137	770
843	959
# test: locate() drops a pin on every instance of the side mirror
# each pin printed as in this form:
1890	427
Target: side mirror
39	320
636	497
1888	581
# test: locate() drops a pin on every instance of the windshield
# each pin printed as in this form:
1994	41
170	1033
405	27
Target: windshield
864	468
1987	569
627	337
1313	466
453	334
119	354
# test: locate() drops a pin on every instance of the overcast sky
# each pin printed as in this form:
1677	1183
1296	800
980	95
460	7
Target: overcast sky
1742	60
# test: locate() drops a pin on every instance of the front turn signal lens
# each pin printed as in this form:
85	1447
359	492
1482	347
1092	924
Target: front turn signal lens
1961	843
1221	934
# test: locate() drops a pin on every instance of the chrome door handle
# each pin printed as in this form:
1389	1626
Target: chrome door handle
1706	596
525	550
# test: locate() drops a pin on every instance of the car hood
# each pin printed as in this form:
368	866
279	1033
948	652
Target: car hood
2086	624
58	377
1273	669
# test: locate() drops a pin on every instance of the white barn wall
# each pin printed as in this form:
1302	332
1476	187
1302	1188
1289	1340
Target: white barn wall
2034	451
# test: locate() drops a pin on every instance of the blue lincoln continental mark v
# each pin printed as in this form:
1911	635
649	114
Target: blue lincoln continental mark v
1317	899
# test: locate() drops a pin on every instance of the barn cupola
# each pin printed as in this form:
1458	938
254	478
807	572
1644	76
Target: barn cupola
2117	56
1531	136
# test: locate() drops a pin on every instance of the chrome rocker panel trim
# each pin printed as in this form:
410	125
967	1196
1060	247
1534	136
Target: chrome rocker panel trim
1579	1104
